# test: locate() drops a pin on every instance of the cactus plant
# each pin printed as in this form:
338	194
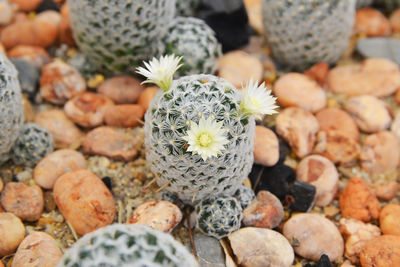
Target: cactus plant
245	195
303	32
11	108
388	5
117	35
186	8
199	131
218	216
196	42
123	245
33	143
363	3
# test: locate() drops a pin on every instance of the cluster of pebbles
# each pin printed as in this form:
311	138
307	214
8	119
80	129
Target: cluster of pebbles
325	174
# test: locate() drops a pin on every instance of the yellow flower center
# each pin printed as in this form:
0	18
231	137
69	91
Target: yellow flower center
255	102
205	140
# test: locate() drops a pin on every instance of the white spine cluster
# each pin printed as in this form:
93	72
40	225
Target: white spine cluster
303	32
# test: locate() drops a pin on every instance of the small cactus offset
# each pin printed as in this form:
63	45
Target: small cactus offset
117	35
186	8
199	131
301	33
388	5
123	245
33	143
363	3
194	40
11	108
218	217
245	195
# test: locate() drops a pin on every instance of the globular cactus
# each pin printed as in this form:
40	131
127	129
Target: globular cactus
124	245
116	35
245	195
363	3
33	143
194	40
199	131
219	216
186	8
388	5
11	108
301	33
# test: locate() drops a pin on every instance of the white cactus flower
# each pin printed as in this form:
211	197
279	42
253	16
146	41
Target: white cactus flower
161	71
257	100
207	138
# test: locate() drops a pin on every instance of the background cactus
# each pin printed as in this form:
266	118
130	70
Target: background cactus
218	217
166	123
388	5
33	143
117	35
303	32
120	245
186	8
11	109
244	195
194	40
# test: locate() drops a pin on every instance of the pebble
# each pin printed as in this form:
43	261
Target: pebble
395	21
57	163
319	73
371	22
64	131
298	90
347	263
6	13
380	47
161	215
389	219
356	234
338	120
1	184
238	67
320	172
322	262
147	95
105	141
374	76
336	146
266	147
84	201
35	54
12	232
380	153
386	190
314	235
268	247
88	109
128	115
122	89
381	251
26	5
395	127
302	195
397	96
52	17
28	75
358	201
370	113
38	249
60	82
24	201
298	127
265	211
208	250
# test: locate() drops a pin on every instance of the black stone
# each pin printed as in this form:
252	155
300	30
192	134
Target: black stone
229	20
276	179
28	75
107	181
47	5
303	196
323	262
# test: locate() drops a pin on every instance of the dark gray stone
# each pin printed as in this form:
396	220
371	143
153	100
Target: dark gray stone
28	75
388	48
209	251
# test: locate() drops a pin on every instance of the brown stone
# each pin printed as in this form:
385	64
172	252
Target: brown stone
161	215
386	190
88	109
122	90
266	147
358	201
60	82
147	95
26	5
106	141
24	201
6	13
12	232
382	251
298	127
84	201
298	90
372	23
265	211
319	73
128	115
395	21
35	54
338	120
64	131
375	76
389	219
